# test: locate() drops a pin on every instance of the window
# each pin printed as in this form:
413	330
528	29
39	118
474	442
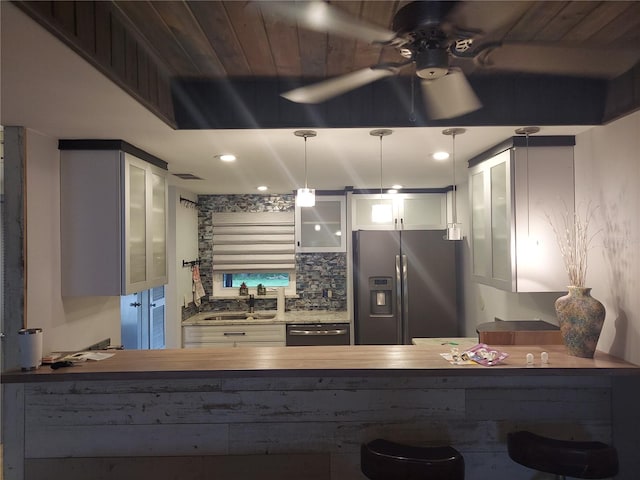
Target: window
234	280
228	284
253	248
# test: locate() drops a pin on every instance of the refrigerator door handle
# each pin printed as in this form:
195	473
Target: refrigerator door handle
405	301
399	313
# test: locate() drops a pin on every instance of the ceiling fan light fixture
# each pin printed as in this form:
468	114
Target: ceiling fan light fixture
450	96
432	63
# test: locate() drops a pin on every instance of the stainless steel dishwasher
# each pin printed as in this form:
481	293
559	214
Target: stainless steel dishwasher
310	334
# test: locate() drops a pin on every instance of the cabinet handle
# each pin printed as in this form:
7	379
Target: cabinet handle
232	334
135	304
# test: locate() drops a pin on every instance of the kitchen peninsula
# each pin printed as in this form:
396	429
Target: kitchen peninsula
302	412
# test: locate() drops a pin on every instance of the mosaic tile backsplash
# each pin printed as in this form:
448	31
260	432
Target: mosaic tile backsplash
315	272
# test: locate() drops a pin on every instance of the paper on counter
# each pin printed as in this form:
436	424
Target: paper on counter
82	356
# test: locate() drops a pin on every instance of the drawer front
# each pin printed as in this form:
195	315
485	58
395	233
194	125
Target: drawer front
233	334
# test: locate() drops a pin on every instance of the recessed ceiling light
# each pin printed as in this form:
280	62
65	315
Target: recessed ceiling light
396	187
440	155
392	190
262	188
227	157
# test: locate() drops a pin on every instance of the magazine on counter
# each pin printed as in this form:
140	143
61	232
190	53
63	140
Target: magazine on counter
481	354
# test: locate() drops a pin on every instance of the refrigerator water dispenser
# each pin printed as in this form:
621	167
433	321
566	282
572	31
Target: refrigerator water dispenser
380	291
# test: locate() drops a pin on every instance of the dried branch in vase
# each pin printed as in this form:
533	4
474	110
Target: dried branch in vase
574	240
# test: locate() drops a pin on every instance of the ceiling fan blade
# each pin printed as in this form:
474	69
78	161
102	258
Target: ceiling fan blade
449	96
485	17
322	17
557	60
321	91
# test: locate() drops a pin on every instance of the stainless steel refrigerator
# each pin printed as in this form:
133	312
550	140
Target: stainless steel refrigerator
405	286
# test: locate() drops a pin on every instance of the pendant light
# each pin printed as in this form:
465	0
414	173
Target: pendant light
381	212
454	229
305	197
527	131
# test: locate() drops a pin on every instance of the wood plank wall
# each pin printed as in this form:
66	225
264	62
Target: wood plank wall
623	95
101	35
307	428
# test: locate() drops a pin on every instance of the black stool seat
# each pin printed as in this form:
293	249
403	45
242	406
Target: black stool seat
562	457
385	460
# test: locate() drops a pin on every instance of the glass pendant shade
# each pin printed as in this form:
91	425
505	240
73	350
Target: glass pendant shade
454	231
306	197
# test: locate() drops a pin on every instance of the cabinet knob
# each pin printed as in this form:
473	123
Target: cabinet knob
152	305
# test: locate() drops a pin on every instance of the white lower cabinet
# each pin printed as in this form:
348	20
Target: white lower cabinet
239	335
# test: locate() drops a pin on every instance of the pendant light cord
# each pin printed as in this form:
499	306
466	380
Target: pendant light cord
527	131
528	199
380	166
381	132
305	162
454	207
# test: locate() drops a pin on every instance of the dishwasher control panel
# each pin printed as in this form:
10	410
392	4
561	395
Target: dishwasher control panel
310	334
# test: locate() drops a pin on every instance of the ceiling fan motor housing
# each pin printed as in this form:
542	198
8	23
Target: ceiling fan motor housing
432	63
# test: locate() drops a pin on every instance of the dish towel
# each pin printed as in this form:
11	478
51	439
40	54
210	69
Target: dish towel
198	289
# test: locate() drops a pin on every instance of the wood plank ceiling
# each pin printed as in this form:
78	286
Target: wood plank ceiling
236	39
239	40
147	46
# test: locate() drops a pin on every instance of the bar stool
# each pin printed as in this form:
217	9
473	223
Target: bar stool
384	460
563	457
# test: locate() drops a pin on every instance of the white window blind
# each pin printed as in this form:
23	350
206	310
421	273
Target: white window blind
249	242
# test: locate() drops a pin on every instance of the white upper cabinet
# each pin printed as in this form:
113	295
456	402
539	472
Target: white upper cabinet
113	223
322	228
513	191
400	211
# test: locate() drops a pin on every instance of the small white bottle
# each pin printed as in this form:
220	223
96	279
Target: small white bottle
544	358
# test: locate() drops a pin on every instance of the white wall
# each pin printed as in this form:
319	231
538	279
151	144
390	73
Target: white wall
608	176
607	161
67	323
182	245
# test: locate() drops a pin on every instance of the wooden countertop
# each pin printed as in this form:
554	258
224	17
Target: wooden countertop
361	360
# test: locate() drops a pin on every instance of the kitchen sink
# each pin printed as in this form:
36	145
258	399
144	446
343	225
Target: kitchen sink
240	316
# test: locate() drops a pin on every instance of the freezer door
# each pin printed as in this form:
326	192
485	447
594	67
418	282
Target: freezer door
430	289
377	316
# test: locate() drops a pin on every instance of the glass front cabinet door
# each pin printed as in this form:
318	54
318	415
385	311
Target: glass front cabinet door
321	228
401	211
145	225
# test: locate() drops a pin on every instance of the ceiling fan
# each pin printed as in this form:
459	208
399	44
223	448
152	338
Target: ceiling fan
441	39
